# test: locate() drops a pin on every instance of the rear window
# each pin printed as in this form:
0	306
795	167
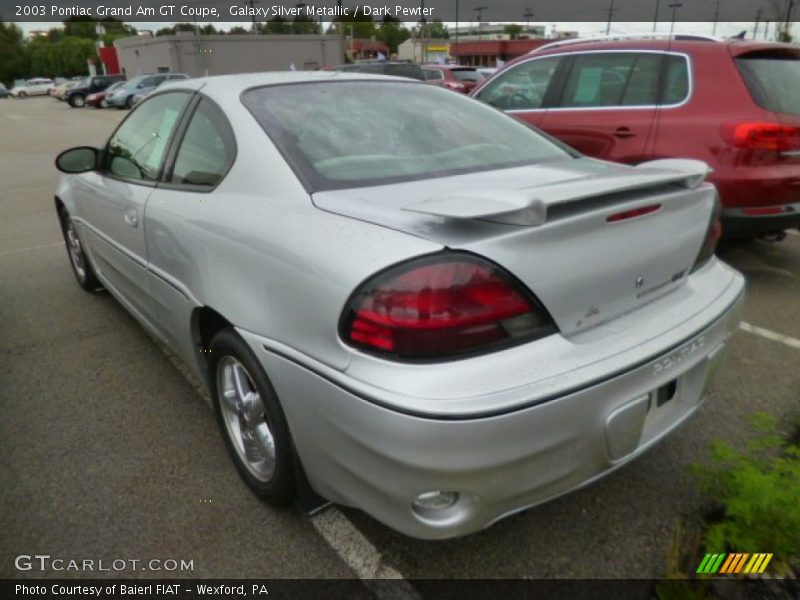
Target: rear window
348	134
467	75
411	71
773	81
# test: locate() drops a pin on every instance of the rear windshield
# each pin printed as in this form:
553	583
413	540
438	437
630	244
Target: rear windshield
467	75
350	134
773	81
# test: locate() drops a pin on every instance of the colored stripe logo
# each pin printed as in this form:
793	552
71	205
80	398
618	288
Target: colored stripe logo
733	563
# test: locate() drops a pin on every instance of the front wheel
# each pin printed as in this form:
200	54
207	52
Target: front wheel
77	101
129	103
81	267
22	95
251	419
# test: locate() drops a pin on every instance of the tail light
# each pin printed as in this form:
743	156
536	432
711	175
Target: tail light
441	306
762	136
454	85
713	235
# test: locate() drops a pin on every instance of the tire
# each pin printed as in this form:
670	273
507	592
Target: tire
77	101
84	274
22	95
129	102
103	104
257	438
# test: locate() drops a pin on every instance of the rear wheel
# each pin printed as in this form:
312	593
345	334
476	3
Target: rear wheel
251	419
22	95
129	102
77	101
78	260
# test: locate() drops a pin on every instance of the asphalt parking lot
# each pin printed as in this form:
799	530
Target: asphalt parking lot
107	451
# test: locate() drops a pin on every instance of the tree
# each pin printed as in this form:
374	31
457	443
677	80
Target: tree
784	12
360	27
63	58
513	31
305	25
276	26
208	30
434	30
392	33
86	27
14	64
238	31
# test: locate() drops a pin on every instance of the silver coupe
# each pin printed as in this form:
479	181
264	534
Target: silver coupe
419	305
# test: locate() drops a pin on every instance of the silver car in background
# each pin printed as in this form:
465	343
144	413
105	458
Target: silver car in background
428	309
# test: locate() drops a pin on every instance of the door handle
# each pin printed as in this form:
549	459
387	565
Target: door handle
131	218
623	133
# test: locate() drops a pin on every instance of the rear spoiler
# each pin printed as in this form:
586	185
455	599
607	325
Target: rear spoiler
528	208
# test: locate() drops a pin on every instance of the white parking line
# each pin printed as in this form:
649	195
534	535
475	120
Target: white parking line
31	249
361	556
770	335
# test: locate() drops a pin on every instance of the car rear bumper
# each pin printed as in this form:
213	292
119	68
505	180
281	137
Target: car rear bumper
358	451
745	222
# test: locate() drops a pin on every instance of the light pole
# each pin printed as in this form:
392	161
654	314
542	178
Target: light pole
479	14
655	16
716	18
528	14
610	16
674	6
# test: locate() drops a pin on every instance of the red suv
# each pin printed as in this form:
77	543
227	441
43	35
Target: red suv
733	104
453	77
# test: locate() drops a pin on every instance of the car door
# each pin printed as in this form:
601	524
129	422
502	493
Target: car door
111	200
198	164
607	105
524	89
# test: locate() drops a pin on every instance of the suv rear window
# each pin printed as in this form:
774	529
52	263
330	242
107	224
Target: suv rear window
467	74
773	81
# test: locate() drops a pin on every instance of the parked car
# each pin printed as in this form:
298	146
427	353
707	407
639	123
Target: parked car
122	97
398	69
76	96
98	99
4	93
438	324
733	104
62	91
452	77
37	86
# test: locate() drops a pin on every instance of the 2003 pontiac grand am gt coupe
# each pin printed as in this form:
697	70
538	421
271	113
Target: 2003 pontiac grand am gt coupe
439	324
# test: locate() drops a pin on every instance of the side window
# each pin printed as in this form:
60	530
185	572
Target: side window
676	81
207	149
598	80
522	86
641	89
432	74
136	150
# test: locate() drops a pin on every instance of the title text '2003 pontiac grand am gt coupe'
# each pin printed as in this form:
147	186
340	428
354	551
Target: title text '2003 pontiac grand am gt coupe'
438	324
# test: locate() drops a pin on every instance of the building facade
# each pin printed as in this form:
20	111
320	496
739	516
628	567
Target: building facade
422	50
201	55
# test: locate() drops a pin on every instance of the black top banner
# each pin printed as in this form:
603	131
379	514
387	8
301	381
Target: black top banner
450	11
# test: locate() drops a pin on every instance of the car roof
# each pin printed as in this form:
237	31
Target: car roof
735	47
451	67
243	81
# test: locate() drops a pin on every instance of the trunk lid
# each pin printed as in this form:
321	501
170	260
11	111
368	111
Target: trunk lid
584	269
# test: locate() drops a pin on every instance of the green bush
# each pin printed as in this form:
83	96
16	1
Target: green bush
758	492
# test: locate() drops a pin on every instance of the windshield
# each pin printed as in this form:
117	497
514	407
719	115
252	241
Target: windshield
350	134
773	81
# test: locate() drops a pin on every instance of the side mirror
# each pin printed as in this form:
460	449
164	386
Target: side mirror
78	160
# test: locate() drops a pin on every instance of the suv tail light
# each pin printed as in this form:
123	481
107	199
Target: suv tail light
441	306
762	136
713	234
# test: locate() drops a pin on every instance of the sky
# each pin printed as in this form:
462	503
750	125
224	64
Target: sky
589	28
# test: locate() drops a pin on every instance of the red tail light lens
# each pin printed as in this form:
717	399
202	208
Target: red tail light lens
441	306
713	235
762	136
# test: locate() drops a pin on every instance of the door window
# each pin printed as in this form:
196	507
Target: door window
137	148
522	87
612	79
207	150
